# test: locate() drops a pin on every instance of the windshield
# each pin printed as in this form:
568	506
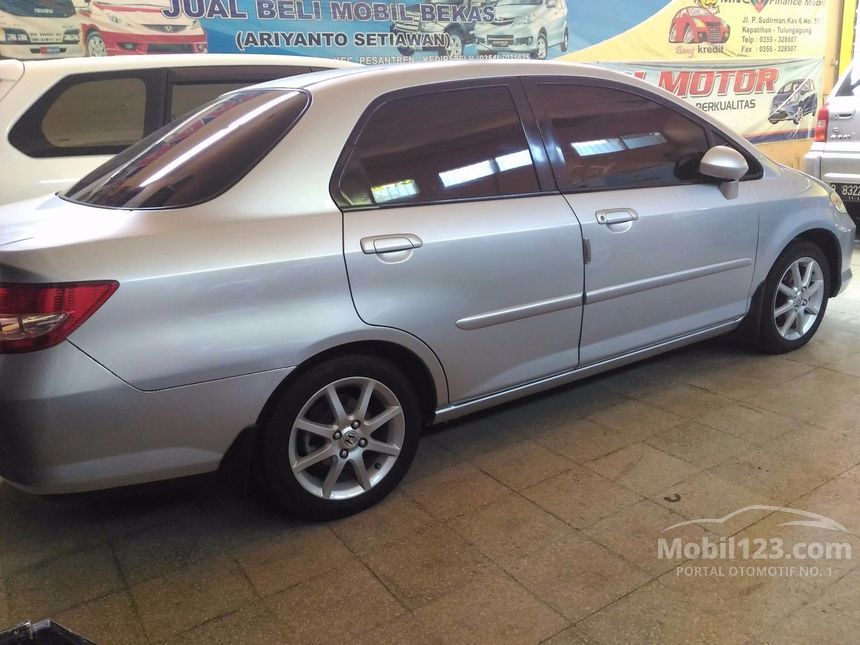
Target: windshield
696	11
790	87
196	158
38	8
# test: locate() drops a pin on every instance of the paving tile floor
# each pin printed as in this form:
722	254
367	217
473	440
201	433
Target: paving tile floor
535	522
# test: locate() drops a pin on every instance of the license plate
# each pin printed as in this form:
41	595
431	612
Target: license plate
848	192
48	51
500	43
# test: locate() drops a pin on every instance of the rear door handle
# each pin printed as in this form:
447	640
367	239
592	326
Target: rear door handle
616	216
390	243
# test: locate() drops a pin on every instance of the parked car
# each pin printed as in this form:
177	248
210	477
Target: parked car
525	26
314	268
793	101
113	27
457	34
835	153
696	25
62	118
39	29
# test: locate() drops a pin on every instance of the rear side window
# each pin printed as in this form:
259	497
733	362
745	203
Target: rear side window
616	139
85	115
195	159
454	144
185	97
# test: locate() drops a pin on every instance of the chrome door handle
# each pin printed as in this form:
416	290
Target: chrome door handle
843	115
616	216
390	243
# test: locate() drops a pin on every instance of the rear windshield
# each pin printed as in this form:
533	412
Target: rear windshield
196	158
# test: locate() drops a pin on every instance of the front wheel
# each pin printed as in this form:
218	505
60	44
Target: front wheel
454	50
341	438
795	298
798	115
541	51
565	41
96	45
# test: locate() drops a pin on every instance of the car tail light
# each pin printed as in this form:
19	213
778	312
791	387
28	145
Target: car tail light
821	124
36	316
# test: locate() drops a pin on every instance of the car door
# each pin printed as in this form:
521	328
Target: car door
670	255
454	232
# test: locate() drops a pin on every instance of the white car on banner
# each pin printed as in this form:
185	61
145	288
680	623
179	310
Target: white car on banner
524	27
39	29
111	27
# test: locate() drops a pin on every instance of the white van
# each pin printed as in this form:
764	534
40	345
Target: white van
39	29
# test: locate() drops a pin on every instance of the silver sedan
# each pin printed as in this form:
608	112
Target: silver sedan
315	268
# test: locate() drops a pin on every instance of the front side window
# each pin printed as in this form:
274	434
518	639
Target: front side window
617	139
455	144
197	158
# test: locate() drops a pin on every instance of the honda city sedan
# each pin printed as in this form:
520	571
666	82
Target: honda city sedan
317	267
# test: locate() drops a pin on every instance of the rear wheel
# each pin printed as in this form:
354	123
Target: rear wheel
341	438
795	298
565	41
688	35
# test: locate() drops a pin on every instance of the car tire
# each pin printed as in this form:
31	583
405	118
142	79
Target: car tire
541	52
455	48
96	45
406	51
773	121
565	41
798	115
674	36
320	476
792	313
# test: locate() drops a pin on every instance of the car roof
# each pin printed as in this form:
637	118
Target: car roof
386	78
64	66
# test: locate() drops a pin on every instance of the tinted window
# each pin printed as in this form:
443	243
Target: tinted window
83	115
197	158
185	97
450	145
110	112
616	139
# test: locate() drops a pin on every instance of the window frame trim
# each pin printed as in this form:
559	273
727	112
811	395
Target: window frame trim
556	156
28	127
543	172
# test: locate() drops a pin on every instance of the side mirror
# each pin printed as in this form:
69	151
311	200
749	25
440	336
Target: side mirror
551	4
722	162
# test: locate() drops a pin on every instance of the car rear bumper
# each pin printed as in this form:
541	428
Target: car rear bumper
67	424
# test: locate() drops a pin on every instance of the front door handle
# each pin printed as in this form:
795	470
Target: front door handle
390	243
843	115
616	216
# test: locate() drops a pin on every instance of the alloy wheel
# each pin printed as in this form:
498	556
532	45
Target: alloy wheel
346	438
798	299
96	46
455	46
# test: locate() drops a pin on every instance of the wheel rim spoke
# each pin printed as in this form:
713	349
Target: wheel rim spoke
361	473
795	274
808	275
336	406
813	289
303	463
788	306
382	418
812	309
317	429
382	447
364	400
788	323
332	477
785	290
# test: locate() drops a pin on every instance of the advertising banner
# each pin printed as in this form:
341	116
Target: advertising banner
672	42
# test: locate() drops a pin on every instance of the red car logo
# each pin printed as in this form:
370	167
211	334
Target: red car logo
696	25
